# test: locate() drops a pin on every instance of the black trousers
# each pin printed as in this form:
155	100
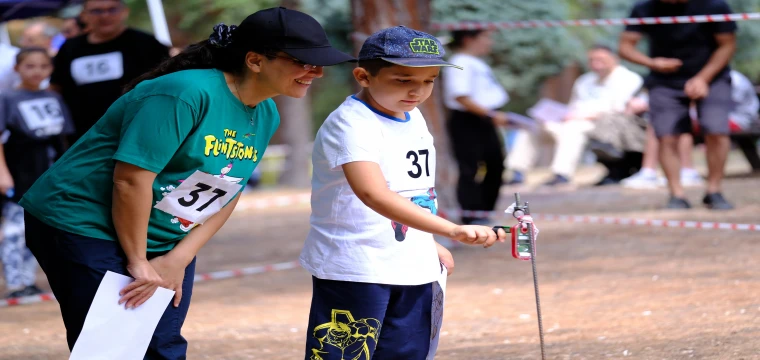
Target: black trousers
75	266
625	167
476	142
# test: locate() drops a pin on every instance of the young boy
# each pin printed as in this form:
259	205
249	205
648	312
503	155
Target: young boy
370	249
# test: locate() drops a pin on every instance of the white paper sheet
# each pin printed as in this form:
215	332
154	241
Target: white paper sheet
112	332
548	110
439	294
522	121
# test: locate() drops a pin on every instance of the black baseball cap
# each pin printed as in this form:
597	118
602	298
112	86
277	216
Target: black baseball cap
403	46
293	32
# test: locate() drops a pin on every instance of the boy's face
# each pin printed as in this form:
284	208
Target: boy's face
398	89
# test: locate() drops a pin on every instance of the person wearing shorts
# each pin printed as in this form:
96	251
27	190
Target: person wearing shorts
689	63
378	275
152	181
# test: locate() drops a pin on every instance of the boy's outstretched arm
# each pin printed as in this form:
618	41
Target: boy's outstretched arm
368	183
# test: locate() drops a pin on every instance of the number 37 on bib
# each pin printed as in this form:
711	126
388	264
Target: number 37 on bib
199	197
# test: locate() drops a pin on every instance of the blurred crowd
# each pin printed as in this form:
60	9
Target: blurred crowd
632	124
62	79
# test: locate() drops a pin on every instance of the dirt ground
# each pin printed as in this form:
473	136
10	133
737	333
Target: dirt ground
608	291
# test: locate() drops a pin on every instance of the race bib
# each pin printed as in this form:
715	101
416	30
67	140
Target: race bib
199	197
97	68
43	117
410	165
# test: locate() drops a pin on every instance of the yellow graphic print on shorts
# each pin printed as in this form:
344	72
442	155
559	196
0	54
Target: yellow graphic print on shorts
344	336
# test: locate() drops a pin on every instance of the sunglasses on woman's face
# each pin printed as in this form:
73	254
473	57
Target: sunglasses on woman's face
295	61
106	11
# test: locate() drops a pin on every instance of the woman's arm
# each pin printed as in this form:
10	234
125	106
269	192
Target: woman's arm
189	246
171	267
130	211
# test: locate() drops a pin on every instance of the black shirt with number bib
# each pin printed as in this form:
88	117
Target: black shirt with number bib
93	76
35	122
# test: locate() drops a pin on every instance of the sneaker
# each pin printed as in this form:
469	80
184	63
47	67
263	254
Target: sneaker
27	291
644	179
716	201
678	203
607	181
691	178
557	180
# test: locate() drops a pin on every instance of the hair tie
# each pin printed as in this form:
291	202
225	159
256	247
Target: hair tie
222	35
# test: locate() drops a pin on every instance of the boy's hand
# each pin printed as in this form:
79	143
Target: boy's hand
476	235
445	257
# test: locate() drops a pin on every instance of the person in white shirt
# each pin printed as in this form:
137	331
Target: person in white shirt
605	89
474	97
8	76
378	274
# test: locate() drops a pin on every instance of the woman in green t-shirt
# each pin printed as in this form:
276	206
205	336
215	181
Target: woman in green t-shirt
169	155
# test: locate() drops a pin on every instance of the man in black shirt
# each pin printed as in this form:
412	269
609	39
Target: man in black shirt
92	69
689	63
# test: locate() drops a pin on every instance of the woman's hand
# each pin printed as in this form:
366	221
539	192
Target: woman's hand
172	272
146	282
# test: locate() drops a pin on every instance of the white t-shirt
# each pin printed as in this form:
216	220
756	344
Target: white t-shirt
9	79
592	96
475	80
348	241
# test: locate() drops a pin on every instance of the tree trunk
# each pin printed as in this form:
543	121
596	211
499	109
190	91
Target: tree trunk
369	16
296	131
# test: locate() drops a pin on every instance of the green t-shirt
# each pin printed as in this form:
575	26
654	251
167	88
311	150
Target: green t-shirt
183	126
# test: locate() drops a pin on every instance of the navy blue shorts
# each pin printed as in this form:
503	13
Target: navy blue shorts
361	321
76	264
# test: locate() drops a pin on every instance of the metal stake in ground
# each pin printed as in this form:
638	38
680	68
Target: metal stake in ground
535	281
518	251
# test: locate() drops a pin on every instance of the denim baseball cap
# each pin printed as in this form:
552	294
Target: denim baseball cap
403	46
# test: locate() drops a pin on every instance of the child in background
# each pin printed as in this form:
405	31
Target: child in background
33	122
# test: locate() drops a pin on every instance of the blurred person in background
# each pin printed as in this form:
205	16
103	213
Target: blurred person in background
601	92
73	27
474	96
743	117
647	176
39	34
91	71
36	121
688	63
8	76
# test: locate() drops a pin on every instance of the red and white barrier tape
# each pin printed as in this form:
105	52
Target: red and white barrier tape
216	275
586	219
493	25
287	200
229	274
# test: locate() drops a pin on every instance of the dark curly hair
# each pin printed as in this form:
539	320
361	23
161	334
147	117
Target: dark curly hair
218	52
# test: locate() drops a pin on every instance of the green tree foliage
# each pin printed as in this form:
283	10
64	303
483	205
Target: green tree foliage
195	18
522	58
